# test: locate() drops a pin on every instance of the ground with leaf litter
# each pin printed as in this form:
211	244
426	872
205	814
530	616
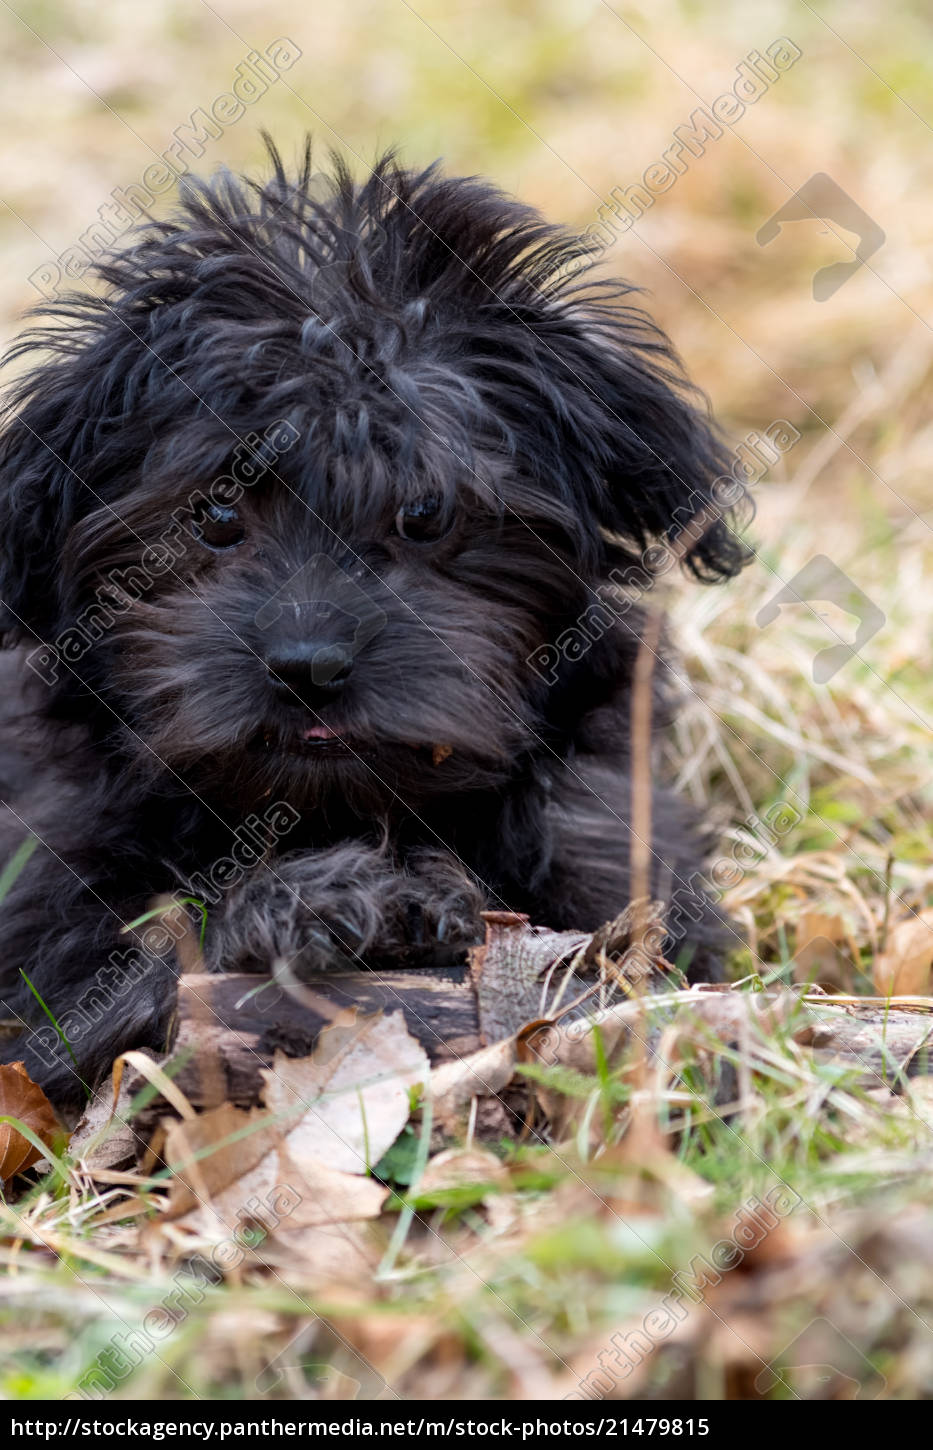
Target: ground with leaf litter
547	1140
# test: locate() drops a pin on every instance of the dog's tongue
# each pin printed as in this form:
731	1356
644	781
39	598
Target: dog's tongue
319	732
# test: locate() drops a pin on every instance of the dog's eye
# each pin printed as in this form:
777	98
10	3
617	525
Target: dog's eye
422	520
219	526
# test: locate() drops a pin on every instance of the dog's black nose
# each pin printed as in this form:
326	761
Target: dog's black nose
312	671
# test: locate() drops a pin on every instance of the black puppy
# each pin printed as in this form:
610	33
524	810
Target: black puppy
321	531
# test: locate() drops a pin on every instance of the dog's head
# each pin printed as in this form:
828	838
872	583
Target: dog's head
302	495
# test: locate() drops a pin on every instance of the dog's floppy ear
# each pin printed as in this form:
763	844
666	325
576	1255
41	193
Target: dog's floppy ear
658	469
40	486
64	448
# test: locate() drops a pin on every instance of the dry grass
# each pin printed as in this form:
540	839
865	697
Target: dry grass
517	1289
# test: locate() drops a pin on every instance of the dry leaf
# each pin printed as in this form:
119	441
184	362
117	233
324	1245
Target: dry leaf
482	1074
332	1197
818	955
104	1137
21	1098
213	1151
572	1044
462	1167
346	1104
343	1254
255	1177
642	1169
280	1195
903	969
330	1116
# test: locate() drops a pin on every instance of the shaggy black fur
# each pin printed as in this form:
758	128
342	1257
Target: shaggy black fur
454	434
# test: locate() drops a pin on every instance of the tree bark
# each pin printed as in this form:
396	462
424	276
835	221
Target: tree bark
228	1027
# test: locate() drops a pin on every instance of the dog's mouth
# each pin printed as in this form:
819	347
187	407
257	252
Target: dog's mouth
322	742
316	741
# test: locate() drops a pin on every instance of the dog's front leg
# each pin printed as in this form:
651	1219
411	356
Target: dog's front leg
346	907
590	876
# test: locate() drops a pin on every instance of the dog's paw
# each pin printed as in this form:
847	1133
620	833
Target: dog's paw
347	908
309	913
444	908
274	933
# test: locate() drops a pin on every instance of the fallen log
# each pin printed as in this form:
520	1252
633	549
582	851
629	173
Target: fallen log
228	1027
541	991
